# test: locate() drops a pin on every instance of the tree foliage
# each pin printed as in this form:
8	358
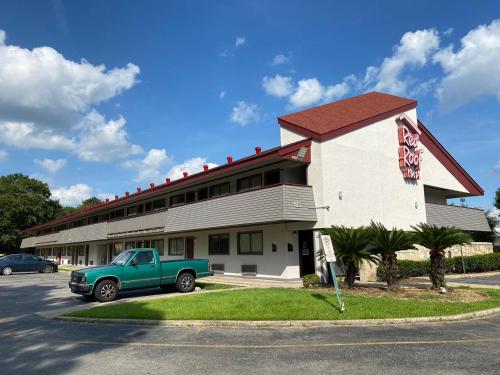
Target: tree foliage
437	240
497	199
351	247
386	242
24	202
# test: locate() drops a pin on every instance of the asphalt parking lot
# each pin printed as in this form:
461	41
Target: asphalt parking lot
27	293
478	280
32	345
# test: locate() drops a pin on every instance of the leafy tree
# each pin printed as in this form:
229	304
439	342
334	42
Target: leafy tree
386	242
351	248
63	211
24	202
90	202
497	199
437	240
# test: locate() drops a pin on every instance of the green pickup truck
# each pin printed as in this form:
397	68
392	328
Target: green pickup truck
137	269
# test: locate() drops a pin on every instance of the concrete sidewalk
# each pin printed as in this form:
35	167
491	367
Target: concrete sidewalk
254	282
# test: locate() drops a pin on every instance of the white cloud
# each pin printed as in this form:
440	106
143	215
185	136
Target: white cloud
496	168
278	86
244	113
104	141
50	165
150	168
222	94
309	91
191	166
473	71
448	31
44	97
72	195
4	155
26	135
280	59
413	50
240	41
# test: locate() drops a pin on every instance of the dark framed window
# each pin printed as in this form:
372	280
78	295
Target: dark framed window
93	219
119	213
250	243
177	200
250	182
147	207
81	251
140	208
218	244
132	211
176	246
190	196
159	204
202	194
220	189
158	245
272	177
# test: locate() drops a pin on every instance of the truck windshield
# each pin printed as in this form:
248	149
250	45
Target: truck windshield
123	258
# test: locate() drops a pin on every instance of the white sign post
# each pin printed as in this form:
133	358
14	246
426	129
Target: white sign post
326	241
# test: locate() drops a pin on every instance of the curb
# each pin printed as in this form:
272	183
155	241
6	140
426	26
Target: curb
286	323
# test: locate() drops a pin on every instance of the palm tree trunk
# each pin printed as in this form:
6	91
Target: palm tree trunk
391	270
437	270
350	273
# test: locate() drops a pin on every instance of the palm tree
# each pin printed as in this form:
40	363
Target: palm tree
350	246
437	240
386	242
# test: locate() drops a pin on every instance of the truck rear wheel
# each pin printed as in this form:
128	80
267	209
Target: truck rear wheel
185	282
106	291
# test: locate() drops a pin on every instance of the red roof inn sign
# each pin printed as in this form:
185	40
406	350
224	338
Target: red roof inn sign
410	157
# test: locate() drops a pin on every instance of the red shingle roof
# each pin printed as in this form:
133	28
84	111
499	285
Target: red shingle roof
333	119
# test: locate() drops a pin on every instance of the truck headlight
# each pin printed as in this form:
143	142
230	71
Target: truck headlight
83	279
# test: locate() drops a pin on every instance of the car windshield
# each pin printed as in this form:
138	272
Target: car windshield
123	258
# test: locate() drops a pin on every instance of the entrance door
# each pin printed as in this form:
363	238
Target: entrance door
306	252
189	248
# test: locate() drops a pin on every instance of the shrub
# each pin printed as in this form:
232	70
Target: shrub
311	281
474	263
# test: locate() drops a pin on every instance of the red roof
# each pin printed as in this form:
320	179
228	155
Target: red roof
337	118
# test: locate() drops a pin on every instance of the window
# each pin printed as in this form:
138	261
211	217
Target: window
218	190
250	243
249	183
158	245
145	257
117	248
129	245
218	244
190	196
132	211
202	194
176	246
147	207
93	219
176	200
140	209
104	217
119	213
139	244
272	177
159	204
81	251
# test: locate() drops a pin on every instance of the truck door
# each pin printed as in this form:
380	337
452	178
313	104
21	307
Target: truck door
142	271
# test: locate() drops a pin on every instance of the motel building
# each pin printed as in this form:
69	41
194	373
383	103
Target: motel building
344	163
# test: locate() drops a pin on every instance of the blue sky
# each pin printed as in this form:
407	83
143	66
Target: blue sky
97	98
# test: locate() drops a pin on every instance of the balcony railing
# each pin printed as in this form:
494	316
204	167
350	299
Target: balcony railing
267	205
469	219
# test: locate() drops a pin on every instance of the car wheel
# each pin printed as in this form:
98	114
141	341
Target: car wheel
47	269
185	283
7	271
106	291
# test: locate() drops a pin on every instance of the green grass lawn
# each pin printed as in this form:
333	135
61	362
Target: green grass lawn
285	304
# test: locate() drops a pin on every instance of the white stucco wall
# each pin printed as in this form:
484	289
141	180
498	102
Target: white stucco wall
435	174
363	165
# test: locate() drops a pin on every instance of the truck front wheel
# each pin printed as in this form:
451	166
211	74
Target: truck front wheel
185	283
106	291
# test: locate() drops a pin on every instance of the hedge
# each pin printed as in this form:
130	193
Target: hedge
473	263
311	281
